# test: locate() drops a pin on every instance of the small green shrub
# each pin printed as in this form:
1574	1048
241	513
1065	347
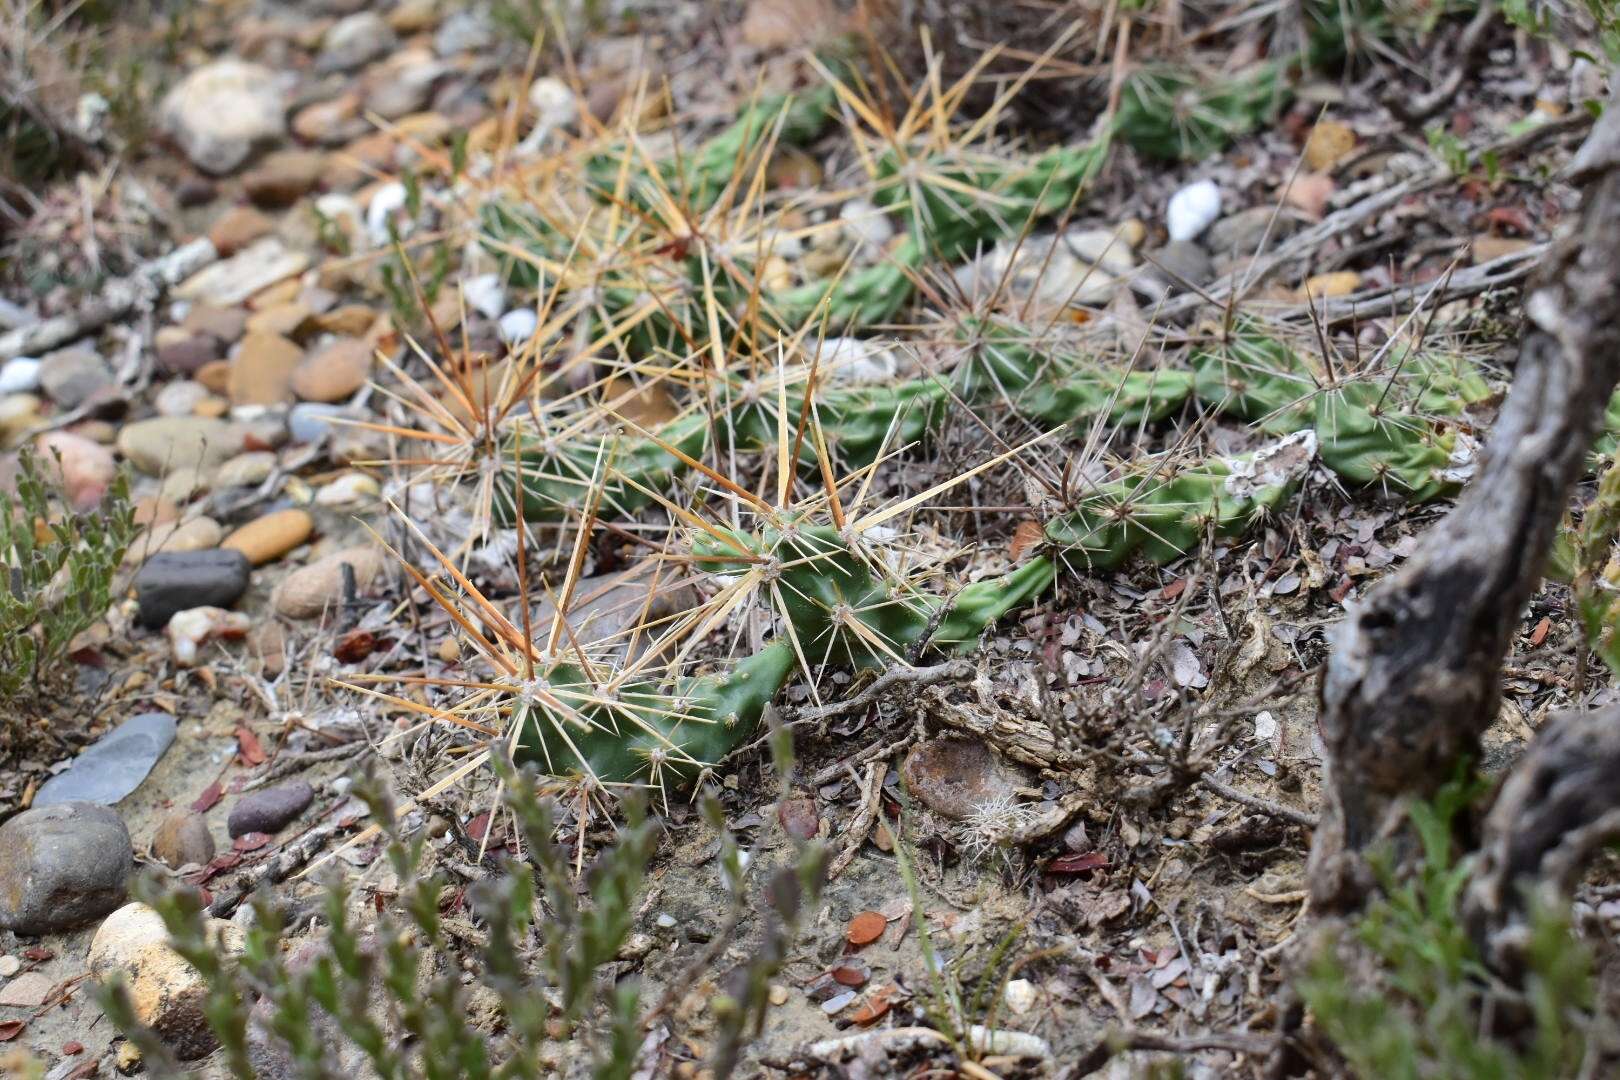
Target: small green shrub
1426	1011
547	938
59	573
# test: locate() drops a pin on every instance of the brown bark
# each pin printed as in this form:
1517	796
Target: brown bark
1558	806
1413	678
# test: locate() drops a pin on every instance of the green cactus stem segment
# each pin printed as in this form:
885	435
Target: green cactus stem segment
1164	511
649	734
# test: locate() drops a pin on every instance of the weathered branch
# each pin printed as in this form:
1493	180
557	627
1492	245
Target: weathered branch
112	301
1414	675
1557	807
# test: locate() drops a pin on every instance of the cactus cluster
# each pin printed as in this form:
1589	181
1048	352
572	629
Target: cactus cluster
1165	508
1170	114
1000	367
839	605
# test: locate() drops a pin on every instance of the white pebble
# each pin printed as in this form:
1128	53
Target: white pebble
1020	995
350	489
387	199
554	104
518	325
19	376
485	295
862	218
190	629
1193	209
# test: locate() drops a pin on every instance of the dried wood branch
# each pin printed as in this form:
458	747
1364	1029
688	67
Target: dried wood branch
1414	675
1559	805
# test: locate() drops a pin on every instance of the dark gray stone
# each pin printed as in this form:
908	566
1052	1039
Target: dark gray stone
62	867
172	581
1176	268
70	377
269	810
114	765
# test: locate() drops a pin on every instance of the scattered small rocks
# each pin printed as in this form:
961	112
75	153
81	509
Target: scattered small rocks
112	766
167	993
62	866
269	809
173	581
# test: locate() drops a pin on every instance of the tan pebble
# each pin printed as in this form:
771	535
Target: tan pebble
331	121
247	469
282	292
96	431
193	534
155	510
283	319
1487	248
166	993
450	650
170	335
1328	142
181	838
308	592
426	128
261	371
284	177
271	536
414	16
779	994
333	372
267	643
350	489
352	320
223	324
1338	283
238	227
213	407
84	467
1310	192
18	414
215	376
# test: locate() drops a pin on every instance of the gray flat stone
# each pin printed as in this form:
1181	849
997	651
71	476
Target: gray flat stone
114	765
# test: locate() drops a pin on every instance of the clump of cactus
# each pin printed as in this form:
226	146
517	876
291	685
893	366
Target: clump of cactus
842	604
1383	428
1002	367
1170	114
1166	508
